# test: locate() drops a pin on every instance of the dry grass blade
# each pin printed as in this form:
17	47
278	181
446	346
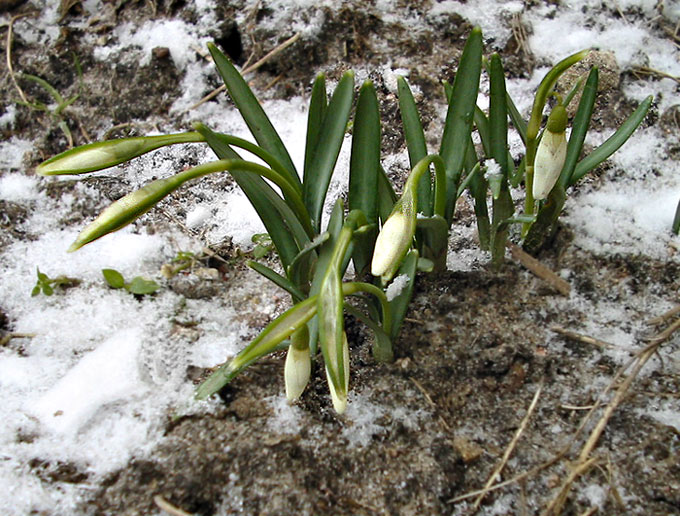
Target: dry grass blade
8	53
579	337
539	269
509	449
249	69
167	507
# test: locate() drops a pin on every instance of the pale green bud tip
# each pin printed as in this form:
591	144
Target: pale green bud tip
92	157
550	157
392	243
557	121
297	372
339	395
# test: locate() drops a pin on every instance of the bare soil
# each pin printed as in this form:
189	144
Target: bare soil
474	350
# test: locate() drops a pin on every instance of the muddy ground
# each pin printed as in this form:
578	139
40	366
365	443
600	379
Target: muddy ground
475	349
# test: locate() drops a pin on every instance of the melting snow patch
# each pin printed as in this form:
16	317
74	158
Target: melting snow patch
18	187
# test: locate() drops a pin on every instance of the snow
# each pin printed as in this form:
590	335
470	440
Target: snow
100	375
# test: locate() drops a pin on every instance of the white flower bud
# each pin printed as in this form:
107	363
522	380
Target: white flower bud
296	371
392	244
551	153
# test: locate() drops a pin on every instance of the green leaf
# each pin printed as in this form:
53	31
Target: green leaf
382	347
498	115
317	110
113	278
277	279
35	291
544	226
251	111
399	304
579	127
325	155
517	120
282	225
42	277
613	143
363	172
386	195
415	142
433	232
141	286
460	114
365	157
267	341
676	220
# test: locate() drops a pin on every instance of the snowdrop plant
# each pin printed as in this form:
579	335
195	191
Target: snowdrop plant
314	254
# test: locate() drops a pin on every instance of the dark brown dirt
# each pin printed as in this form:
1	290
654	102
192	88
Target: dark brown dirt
472	354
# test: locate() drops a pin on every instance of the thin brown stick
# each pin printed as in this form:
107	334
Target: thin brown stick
8	53
665	334
539	269
166	506
509	449
5	340
557	503
431	403
249	69
665	316
580	337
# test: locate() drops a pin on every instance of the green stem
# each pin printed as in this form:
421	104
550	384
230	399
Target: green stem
349	289
439	181
289	191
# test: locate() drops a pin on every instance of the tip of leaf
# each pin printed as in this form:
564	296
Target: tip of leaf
74	247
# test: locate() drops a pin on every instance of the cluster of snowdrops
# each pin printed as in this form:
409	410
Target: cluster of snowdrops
387	237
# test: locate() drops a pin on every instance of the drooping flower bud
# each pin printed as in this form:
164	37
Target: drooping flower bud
298	364
551	153
339	396
101	155
394	240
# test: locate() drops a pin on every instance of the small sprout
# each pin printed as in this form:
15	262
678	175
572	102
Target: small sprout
46	285
676	220
263	245
138	286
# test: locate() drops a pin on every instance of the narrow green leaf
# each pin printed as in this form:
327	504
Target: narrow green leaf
277	279
142	286
460	114
282	225
267	341
325	155
331	326
254	116
613	143
415	142
363	172
478	189
676	220
113	278
382	347
317	110
386	195
579	127
517	121
300	270
433	232
482	125
544	226
35	291
399	304
498	115
365	156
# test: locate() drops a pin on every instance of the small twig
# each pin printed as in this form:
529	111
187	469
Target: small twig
579	337
8	53
664	316
509	449
575	407
432	404
5	340
539	269
249	69
557	503
166	506
657	73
